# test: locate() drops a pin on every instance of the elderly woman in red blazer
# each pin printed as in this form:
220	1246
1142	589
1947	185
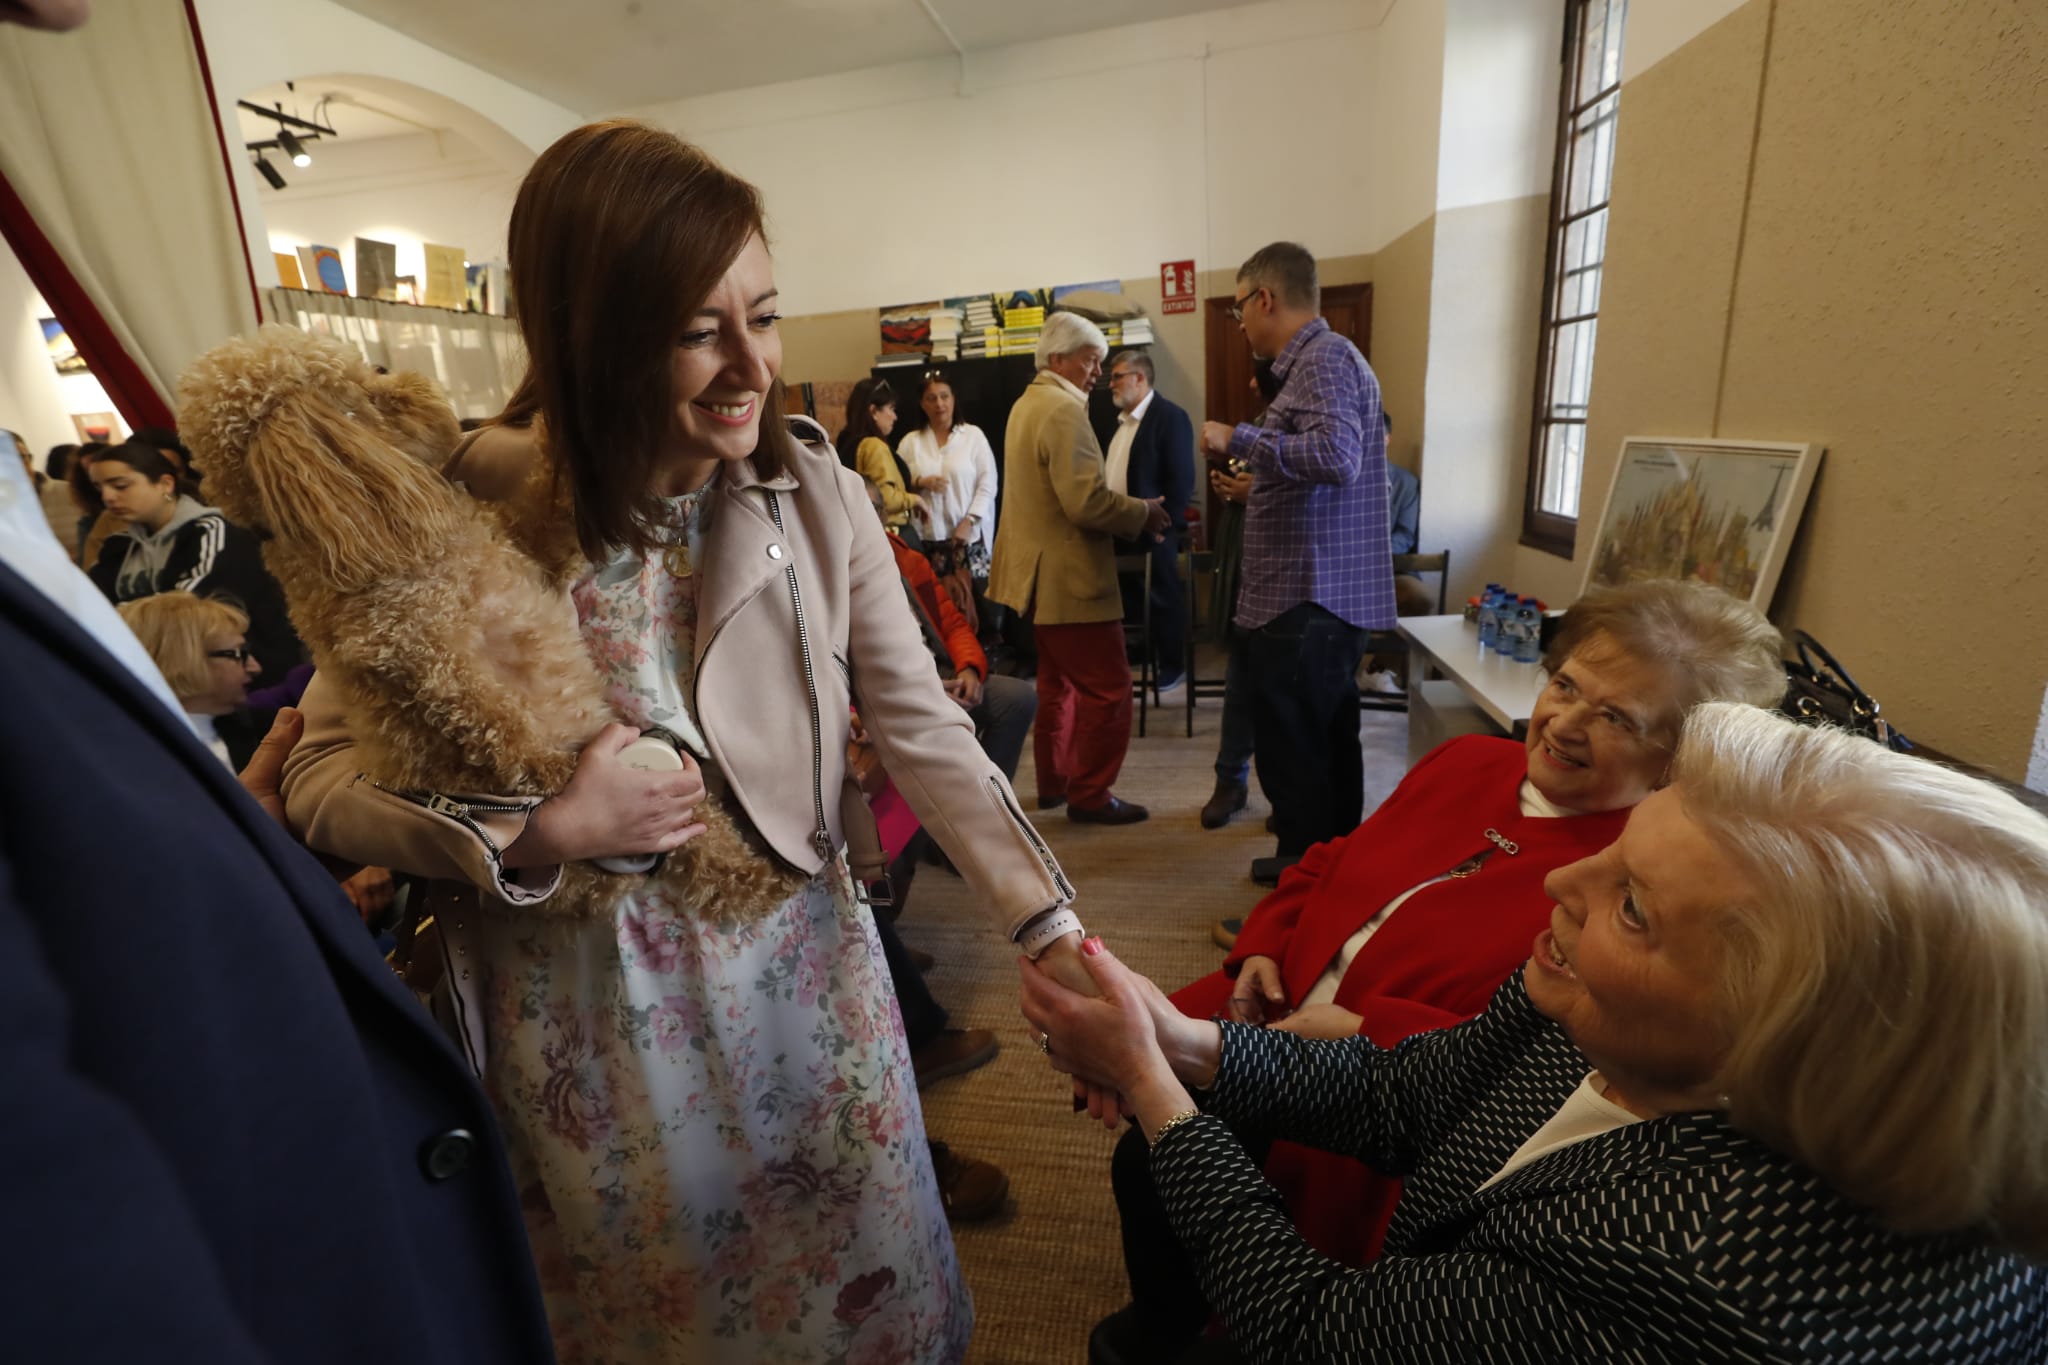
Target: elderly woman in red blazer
1411	921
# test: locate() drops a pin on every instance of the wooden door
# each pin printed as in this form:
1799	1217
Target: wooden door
1228	393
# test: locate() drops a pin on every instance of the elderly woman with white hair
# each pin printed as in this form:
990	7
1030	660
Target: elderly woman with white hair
1055	565
1771	1087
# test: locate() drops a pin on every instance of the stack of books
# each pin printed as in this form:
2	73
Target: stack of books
946	329
1137	331
901	360
1021	325
988	341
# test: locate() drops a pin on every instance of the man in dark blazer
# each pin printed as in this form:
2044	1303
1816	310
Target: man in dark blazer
1152	455
227	1132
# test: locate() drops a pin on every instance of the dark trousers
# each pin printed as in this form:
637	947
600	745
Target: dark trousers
1003	719
1304	665
1234	749
1169	1298
1169	609
923	1016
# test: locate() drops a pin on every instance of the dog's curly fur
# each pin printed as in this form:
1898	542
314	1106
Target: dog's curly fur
438	617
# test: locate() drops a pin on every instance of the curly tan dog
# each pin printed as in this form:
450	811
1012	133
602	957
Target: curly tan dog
443	620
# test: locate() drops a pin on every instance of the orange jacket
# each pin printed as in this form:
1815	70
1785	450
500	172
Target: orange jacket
953	627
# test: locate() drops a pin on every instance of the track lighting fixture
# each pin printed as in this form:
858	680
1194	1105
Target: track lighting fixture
291	143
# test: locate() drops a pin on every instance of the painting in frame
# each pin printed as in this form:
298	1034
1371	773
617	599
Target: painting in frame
1723	512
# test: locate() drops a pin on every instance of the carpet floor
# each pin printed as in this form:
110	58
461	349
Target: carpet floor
1044	1270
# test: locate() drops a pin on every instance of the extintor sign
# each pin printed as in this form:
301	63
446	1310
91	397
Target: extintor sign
1177	287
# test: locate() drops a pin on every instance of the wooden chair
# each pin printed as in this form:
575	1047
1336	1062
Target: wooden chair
1382	643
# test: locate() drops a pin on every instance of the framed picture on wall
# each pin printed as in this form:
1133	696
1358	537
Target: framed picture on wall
1723	512
63	354
99	426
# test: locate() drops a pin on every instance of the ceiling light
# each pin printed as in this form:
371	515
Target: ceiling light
269	172
294	148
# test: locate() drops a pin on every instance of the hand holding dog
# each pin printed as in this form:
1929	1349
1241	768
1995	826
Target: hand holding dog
609	810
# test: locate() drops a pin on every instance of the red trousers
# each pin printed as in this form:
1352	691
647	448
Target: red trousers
1084	710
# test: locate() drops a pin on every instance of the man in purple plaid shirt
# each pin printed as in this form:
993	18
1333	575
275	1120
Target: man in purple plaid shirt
1317	573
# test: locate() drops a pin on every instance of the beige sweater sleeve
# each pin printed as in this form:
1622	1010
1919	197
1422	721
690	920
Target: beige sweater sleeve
335	808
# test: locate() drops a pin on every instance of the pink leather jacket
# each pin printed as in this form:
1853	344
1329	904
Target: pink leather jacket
801	615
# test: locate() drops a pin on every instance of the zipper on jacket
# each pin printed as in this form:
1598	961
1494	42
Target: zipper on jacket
821	838
1007	800
458	811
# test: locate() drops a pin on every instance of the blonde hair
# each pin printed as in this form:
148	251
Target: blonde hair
1886	988
1712	645
175	627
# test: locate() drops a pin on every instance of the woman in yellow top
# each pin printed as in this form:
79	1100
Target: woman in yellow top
864	447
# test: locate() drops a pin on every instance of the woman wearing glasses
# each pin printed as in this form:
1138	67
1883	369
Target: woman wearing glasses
201	647
170	541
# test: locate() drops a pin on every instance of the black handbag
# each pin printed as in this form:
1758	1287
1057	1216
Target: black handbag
1819	691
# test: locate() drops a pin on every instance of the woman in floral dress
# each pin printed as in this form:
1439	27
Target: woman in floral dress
708	1102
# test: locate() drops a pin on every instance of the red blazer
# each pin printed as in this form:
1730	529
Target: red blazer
1435	962
953	627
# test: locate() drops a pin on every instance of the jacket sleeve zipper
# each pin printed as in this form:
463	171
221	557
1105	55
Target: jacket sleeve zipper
821	839
1007	799
458	811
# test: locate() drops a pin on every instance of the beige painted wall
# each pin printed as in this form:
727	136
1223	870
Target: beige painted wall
1871	278
1400	335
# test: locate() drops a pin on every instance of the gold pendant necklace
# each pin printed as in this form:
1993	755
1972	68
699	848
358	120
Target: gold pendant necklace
676	559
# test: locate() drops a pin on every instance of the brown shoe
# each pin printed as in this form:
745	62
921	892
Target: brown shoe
919	958
1223	933
1114	811
952	1053
1227	800
970	1190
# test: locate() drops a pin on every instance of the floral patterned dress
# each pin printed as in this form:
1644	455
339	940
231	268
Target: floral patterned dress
713	1125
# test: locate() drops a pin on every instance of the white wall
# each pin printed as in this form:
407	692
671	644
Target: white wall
35	400
1500	88
1499	116
253	43
1407	98
404	190
1094	157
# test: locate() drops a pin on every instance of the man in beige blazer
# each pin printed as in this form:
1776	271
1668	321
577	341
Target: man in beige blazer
1056	566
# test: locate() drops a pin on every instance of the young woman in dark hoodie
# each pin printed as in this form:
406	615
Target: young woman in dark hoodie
170	541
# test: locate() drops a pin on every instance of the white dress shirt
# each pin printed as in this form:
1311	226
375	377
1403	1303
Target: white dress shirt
1118	473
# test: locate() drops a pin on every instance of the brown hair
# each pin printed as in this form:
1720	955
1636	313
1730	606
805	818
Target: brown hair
174	628
619	233
1712	645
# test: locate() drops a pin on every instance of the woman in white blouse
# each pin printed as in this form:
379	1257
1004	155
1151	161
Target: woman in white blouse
952	466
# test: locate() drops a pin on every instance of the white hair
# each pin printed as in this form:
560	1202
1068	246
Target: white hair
1886	983
1066	333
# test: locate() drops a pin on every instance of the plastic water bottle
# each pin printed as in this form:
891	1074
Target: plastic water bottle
1528	632
1489	618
